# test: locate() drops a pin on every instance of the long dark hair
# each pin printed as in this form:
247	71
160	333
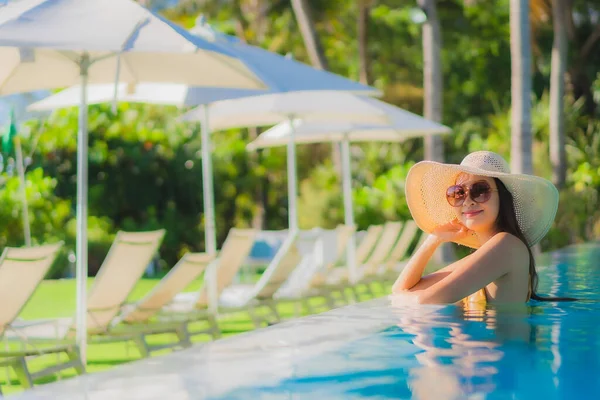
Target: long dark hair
507	222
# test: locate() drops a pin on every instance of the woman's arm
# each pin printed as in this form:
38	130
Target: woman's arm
491	261
412	272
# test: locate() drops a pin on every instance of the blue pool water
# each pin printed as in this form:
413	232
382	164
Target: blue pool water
544	350
374	350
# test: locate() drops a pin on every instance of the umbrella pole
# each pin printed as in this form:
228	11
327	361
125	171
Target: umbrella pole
348	207
292	185
23	190
210	236
82	190
116	87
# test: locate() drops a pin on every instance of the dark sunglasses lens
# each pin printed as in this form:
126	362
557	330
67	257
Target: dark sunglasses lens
481	192
455	195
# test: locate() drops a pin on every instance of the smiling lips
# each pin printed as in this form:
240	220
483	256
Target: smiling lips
473	213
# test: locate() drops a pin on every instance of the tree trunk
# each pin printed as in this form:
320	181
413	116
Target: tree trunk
557	93
315	51
363	40
432	77
579	71
309	34
433	98
258	219
520	52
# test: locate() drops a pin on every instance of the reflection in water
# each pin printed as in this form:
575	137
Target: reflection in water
462	347
538	349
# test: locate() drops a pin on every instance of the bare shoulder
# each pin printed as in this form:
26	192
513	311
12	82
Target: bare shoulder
508	245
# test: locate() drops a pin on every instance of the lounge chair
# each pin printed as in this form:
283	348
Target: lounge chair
258	300
124	265
368	272
310	285
310	244
363	251
344	234
142	312
370	266
368	243
219	275
331	283
297	288
254	299
382	251
21	272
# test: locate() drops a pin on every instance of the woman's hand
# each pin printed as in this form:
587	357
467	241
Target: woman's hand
404	298
451	231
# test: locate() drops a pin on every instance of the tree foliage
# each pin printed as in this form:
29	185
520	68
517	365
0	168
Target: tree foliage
145	167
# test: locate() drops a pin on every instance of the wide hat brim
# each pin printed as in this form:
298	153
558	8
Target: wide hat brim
535	198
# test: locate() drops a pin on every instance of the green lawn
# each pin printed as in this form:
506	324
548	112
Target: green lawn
56	298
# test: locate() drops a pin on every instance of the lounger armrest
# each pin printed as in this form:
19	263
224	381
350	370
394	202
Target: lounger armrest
23	323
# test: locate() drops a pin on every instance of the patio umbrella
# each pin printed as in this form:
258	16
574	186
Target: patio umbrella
315	106
273	108
56	43
169	94
404	125
283	74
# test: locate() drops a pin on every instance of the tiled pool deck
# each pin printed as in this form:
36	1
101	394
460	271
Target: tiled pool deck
210	370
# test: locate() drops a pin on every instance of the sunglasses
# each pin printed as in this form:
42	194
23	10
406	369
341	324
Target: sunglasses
480	192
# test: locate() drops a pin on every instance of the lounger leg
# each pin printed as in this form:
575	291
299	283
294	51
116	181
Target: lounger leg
330	300
272	306
140	342
297	309
309	308
356	294
20	367
345	297
323	300
183	336
214	327
369	289
254	317
267	313
75	360
339	298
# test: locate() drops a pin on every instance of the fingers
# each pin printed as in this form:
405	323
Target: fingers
460	228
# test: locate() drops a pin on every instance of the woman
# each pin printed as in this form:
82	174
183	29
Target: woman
479	204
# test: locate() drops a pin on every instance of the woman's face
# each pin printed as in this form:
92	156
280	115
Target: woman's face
480	216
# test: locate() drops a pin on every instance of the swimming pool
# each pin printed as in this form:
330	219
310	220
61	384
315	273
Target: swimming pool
375	351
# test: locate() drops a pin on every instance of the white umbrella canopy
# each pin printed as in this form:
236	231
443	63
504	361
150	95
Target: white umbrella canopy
273	108
232	108
171	94
286	78
56	43
281	74
315	106
43	43
319	132
405	125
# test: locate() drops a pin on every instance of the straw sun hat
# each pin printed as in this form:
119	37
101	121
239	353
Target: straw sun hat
535	198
